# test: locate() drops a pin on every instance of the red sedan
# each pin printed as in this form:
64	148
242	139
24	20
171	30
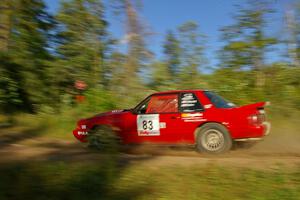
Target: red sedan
197	117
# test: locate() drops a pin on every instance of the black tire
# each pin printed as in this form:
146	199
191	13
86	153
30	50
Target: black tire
213	138
103	138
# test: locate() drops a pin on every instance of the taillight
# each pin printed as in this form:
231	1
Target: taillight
253	119
257	119
261	116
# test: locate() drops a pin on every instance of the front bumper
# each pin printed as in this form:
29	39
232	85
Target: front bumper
80	134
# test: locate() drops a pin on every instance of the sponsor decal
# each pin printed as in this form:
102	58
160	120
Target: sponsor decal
195	120
189	103
117	111
162	125
192	117
148	125
187	97
82	133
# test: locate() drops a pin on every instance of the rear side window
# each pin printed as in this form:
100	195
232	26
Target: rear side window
189	103
163	104
218	101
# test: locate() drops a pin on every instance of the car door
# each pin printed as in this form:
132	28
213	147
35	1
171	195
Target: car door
158	123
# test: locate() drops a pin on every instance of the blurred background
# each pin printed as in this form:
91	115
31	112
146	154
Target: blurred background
65	60
52	52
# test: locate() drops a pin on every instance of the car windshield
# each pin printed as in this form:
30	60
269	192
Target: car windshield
218	101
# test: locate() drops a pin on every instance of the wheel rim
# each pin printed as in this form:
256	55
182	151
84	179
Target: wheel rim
212	140
96	142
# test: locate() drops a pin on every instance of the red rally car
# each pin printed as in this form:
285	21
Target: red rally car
197	117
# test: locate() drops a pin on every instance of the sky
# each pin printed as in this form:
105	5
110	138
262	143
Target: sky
211	15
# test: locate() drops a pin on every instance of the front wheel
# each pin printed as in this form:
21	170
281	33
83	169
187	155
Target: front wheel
103	138
213	138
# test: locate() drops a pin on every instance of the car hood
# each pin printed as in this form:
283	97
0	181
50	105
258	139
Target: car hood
101	115
109	113
113	112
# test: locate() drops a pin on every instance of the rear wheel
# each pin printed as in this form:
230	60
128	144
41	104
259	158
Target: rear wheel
103	138
213	138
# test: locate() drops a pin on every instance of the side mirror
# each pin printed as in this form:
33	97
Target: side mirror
133	111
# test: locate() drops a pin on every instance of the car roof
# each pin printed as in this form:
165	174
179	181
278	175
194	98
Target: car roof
177	91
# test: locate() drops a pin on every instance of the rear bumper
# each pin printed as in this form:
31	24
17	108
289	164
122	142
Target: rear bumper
267	126
253	133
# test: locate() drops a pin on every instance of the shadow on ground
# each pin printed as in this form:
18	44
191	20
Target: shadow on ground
65	180
10	136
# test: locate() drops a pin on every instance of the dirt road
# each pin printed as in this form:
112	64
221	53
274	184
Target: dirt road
275	150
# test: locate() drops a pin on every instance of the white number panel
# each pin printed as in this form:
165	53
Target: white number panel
148	125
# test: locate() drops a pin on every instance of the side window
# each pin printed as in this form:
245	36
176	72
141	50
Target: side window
163	104
189	103
141	109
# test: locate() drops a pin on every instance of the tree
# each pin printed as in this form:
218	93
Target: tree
116	72
191	57
82	32
81	44
245	41
24	52
137	53
6	10
172	53
161	77
293	29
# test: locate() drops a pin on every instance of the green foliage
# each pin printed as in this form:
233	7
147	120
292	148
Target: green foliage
172	53
191	57
98	100
281	87
191	44
23	68
9	92
245	41
41	58
81	43
229	83
161	77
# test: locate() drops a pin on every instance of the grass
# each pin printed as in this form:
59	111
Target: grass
104	180
55	126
